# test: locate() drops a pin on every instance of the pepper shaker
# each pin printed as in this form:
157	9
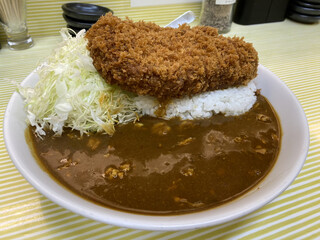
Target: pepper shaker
218	14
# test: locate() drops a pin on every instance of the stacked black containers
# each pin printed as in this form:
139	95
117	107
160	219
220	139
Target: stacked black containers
82	15
305	11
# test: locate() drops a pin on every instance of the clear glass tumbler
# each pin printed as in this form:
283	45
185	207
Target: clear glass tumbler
13	21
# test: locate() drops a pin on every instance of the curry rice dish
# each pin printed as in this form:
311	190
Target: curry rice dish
167	166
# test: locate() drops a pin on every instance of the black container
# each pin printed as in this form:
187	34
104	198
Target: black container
82	15
260	11
304	11
75	23
302	17
84	11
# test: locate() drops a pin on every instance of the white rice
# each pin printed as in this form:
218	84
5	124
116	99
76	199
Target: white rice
230	102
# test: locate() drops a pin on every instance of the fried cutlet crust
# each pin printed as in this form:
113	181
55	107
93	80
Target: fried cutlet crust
147	59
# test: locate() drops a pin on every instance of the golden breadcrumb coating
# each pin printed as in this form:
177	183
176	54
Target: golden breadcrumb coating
147	59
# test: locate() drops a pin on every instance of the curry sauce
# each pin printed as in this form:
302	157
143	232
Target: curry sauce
157	166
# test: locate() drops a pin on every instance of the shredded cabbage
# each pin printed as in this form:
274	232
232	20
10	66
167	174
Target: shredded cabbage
71	93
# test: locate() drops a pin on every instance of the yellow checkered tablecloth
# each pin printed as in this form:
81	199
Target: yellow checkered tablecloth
290	50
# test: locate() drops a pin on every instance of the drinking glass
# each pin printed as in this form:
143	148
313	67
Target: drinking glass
13	21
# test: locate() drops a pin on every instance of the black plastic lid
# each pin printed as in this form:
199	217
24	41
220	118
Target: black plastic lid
84	11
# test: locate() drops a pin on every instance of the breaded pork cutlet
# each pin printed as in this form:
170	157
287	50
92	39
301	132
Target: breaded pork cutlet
147	59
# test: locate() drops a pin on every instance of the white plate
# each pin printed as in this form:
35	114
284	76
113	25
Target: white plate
294	149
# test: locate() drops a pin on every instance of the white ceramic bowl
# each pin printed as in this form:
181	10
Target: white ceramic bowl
294	148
